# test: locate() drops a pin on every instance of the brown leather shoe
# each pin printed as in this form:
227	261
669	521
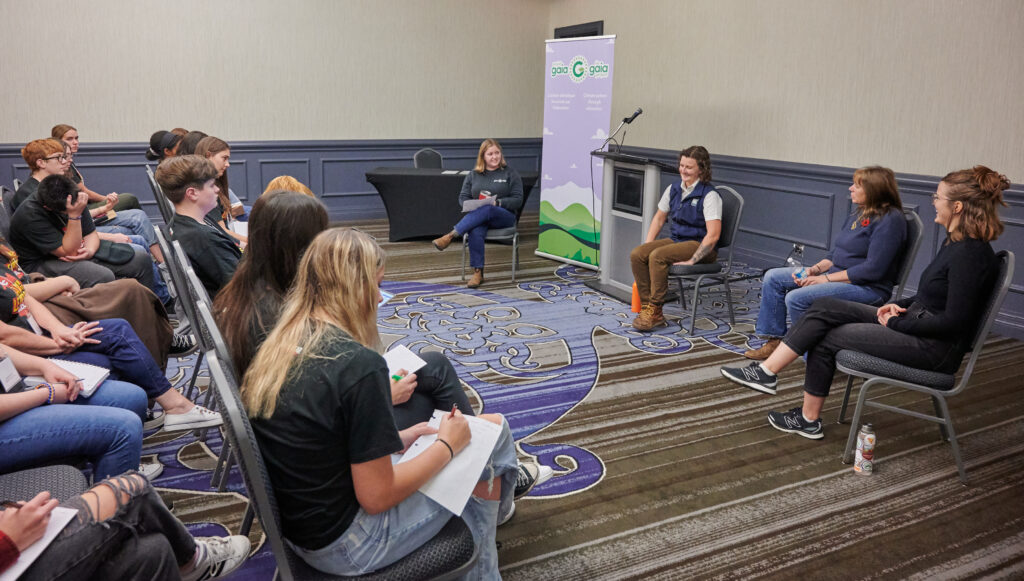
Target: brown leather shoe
764	351
444	241
478	278
650	317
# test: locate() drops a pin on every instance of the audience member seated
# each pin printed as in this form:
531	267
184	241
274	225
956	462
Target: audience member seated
123	530
288	184
52	422
693	210
931	330
188	181
54	234
318	394
29	326
163	145
189	142
491	179
229	207
69	135
862	266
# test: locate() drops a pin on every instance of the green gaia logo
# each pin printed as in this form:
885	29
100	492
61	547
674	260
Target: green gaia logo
578	69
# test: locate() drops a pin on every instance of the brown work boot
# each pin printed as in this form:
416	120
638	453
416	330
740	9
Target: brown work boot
764	351
444	241
650	317
478	278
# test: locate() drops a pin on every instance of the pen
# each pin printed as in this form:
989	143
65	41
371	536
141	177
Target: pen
11	504
396	377
452	415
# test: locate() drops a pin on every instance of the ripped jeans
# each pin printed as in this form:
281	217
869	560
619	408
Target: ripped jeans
374	541
142	541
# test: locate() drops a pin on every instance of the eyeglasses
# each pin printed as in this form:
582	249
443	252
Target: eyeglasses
62	157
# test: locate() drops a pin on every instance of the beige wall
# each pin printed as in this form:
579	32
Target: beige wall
269	69
923	86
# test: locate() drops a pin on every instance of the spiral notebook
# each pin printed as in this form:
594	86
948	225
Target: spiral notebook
91	375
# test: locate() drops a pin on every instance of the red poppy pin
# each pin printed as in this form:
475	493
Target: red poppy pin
864	223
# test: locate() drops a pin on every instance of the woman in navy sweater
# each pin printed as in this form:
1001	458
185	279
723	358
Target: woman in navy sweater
862	266
931	330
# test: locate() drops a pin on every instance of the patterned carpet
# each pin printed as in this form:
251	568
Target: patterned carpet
663	469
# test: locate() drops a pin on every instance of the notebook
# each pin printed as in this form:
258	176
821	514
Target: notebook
91	375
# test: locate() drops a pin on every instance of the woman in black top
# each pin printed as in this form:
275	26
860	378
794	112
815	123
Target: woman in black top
931	330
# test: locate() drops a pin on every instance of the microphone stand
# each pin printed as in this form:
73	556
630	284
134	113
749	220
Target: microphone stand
612	137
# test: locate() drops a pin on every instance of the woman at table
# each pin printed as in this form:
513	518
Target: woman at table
862	267
931	330
502	189
319	396
694	211
69	135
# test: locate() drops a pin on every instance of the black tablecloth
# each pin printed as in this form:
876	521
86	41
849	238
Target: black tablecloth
423	202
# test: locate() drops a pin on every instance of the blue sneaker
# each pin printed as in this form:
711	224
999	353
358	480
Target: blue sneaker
752	376
793	422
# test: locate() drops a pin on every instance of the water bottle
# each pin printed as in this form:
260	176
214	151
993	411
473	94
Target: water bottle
794	261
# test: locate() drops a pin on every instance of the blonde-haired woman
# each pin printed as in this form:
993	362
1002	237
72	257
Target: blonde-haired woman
319	396
288	184
492	179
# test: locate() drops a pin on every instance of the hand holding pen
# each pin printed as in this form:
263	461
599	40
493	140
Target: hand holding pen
26	522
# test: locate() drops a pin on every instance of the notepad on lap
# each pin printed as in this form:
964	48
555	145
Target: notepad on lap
59	518
91	375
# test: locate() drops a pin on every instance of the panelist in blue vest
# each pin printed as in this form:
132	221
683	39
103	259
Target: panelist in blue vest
693	210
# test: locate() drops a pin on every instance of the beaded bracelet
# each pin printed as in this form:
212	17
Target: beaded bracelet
75	218
449	446
49	398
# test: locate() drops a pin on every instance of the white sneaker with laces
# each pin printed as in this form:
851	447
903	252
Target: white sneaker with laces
195	418
217	557
151	470
508	515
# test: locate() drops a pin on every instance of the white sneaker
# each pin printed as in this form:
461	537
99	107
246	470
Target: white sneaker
151	470
218	556
195	418
508	515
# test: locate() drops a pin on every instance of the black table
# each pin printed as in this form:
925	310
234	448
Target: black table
423	203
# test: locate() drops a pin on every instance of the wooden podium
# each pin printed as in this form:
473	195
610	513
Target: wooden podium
629	199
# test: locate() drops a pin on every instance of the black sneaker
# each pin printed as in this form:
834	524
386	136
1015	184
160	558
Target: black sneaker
793	422
530	474
752	376
182	344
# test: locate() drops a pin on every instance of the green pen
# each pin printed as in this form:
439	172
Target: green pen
396	377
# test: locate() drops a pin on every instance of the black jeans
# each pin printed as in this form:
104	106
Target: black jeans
833	324
143	541
437	387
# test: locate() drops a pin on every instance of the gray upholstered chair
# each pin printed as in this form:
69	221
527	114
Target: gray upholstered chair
449	555
715	272
939	386
428	158
166	209
915	232
61	481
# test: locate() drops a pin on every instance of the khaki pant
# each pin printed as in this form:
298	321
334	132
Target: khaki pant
651	261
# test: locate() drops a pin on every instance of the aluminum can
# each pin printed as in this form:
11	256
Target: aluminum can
864	461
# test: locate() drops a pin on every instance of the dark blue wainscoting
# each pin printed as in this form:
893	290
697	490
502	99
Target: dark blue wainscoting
785	202
788	202
335	170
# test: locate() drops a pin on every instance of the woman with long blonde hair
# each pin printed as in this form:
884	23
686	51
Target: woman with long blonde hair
319	396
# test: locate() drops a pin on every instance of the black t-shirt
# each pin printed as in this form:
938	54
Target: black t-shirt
334	412
36	232
13	310
214	255
28	187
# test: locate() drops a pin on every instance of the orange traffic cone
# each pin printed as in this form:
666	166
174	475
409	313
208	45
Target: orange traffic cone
636	300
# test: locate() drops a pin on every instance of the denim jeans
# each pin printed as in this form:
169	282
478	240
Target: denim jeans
833	324
135	222
375	541
143	541
475	226
779	295
121	351
437	387
105	428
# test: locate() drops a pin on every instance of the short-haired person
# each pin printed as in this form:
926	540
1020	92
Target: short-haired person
163	145
862	266
188	181
122	530
53	234
693	210
931	330
491	175
319	397
69	135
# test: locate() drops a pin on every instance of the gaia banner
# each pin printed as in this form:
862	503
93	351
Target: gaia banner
577	113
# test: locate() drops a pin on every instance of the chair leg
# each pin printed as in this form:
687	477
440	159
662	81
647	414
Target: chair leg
846	400
464	244
222	462
728	301
938	412
515	255
943	410
855	423
187	392
250	513
693	307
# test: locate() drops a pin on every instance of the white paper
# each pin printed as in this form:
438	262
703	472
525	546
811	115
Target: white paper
240	228
91	375
8	374
401	358
450	172
59	518
470	205
453	485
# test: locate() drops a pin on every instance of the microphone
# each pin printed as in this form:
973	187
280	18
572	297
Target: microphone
635	114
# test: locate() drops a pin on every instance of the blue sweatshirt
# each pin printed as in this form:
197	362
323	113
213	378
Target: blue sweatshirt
868	248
